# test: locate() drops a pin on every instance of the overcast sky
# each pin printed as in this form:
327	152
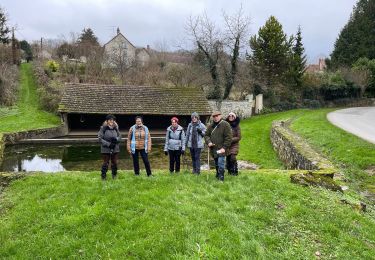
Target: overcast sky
154	21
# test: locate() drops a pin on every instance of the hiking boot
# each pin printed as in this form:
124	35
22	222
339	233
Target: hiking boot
104	171
114	171
235	168
221	174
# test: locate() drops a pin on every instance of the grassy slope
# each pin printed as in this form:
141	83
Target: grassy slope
349	152
258	215
256	145
28	116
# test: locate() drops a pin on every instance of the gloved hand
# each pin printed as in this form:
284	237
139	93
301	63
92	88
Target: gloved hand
182	152
199	131
165	152
114	140
112	146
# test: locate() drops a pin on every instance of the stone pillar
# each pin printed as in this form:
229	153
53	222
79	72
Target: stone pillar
258	103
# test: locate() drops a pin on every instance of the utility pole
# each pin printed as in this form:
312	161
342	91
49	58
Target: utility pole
13	47
41	47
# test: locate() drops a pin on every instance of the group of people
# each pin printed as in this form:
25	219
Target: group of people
221	136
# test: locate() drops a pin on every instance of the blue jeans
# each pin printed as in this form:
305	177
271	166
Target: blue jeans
220	163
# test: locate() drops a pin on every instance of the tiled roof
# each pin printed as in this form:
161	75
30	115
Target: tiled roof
146	100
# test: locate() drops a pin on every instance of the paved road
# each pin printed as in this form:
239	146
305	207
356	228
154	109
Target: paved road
359	121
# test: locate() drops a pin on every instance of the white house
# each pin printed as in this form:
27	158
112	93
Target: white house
119	51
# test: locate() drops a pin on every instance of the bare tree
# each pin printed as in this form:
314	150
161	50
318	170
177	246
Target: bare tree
220	49
236	32
206	35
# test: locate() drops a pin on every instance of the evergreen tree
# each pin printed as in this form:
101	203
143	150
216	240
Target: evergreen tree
4	29
298	61
25	46
87	43
88	37
357	38
270	53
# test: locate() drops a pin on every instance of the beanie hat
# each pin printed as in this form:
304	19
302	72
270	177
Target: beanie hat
175	119
195	114
233	114
110	117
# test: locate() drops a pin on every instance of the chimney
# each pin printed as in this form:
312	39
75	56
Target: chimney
148	47
118	30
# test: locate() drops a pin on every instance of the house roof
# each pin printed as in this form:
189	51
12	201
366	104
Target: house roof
118	35
127	100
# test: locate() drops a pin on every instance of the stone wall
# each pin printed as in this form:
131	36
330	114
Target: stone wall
2	146
350	102
12	138
295	152
242	108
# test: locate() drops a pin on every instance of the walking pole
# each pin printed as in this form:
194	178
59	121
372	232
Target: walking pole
208	158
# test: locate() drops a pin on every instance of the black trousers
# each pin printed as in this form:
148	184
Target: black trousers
144	156
106	158
174	160
232	165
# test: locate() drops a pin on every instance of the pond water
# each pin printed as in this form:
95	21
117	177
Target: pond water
75	157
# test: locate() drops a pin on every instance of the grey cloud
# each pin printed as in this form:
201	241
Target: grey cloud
146	22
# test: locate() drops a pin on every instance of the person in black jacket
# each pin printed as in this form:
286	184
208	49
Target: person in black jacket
109	137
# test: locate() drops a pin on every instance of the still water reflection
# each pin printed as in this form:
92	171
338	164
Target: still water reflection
56	158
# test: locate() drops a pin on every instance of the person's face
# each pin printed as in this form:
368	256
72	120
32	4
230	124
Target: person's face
217	118
110	122
174	123
138	121
231	118
194	119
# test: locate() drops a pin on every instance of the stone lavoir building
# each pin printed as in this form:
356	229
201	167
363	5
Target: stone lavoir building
84	106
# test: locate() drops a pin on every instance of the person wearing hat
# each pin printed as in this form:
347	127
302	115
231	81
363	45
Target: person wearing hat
109	137
195	141
234	122
219	138
139	142
174	144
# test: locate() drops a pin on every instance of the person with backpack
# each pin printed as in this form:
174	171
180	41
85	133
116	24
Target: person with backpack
194	140
109	136
139	142
174	145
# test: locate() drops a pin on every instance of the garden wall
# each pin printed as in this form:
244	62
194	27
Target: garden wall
242	108
295	152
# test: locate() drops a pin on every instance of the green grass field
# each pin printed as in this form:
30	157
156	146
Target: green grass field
27	114
257	215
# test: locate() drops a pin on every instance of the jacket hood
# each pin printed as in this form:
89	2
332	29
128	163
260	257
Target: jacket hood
234	123
179	128
114	123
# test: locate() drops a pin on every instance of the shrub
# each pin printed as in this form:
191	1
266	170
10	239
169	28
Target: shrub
8	84
50	95
50	91
52	66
